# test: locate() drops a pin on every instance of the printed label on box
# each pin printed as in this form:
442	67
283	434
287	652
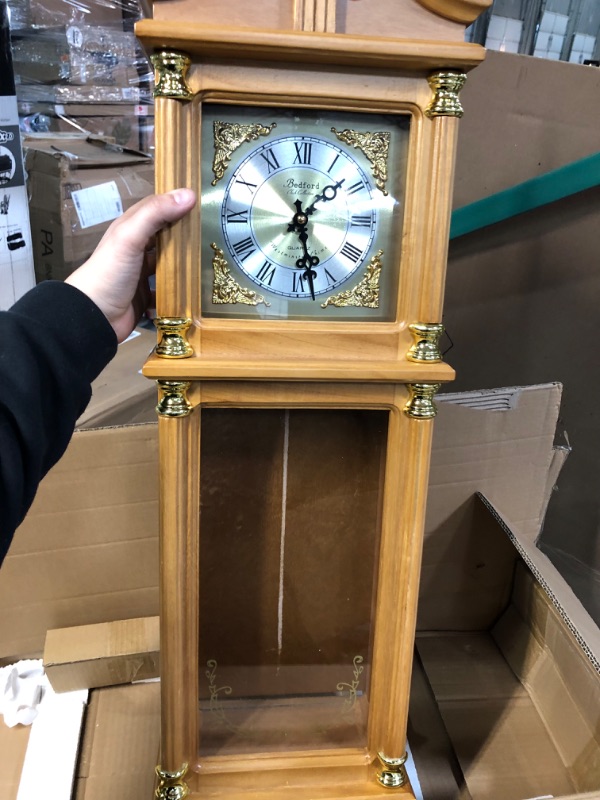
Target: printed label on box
97	204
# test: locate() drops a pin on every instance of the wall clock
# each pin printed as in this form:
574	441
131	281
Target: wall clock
297	361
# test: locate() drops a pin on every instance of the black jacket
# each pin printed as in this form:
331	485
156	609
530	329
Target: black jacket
53	342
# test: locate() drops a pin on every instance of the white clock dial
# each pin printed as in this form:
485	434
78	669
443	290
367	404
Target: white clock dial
299	216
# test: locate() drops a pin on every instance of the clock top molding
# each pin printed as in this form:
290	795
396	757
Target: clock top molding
412	34
438	19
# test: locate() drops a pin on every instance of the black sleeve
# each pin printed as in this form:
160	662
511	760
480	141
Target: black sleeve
53	342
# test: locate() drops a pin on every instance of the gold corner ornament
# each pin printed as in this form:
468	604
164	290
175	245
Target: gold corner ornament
366	292
375	146
171	70
226	289
173	402
426	346
393	773
172	343
171	785
446	86
420	404
228	136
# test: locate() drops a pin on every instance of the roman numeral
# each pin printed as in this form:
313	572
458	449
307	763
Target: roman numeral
360	221
303	152
333	163
356	187
266	272
271	159
298	282
351	252
243	248
237	216
329	276
251	186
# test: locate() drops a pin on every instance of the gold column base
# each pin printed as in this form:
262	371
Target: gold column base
420	404
393	775
171	785
426	346
172	342
174	402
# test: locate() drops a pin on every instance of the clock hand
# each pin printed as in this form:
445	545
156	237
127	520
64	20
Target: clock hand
307	262
329	193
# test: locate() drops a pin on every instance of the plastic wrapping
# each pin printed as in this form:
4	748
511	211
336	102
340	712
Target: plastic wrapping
71	57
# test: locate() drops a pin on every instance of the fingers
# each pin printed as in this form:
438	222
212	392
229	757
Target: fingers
141	222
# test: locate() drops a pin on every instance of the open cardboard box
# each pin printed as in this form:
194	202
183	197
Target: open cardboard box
506	684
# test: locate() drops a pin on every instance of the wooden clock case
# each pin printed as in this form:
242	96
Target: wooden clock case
391	57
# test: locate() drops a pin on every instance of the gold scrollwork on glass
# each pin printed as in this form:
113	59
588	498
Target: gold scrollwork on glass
215	702
171	73
350	690
393	772
226	289
171	785
228	136
172	342
426	346
420	404
446	86
366	292
174	402
375	146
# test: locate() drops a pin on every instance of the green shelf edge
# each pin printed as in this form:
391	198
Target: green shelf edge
555	185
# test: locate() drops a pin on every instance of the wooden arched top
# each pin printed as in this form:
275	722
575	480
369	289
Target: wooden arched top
464	11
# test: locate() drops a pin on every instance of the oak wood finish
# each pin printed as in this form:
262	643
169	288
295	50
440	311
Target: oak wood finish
348	55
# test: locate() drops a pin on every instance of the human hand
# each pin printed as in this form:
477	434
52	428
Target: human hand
115	275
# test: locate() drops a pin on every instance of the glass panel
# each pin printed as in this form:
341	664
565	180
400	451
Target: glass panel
298	207
288	553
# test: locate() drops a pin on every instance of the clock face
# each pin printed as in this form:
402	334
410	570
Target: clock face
301	213
299	216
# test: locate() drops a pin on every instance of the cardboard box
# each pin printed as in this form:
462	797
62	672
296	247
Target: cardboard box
59	167
106	654
520	295
130	126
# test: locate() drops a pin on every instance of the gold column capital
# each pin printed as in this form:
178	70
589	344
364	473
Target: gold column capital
446	86
426	346
171	785
174	402
420	404
172	343
393	772
171	69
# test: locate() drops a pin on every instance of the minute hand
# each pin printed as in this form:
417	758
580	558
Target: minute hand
328	193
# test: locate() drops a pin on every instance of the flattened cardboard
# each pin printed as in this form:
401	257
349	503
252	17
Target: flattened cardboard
106	654
88	550
121	743
58	164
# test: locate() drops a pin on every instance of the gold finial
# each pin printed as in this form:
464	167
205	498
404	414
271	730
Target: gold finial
426	346
172	342
446	87
171	785
174	402
171	71
366	292
420	404
393	775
